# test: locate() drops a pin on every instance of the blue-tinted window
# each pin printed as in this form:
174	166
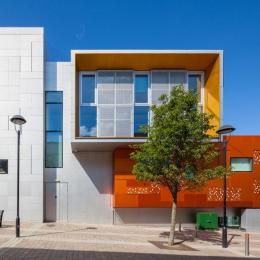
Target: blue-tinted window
53	97
88	89
141	88
241	164
195	84
53	129
141	117
88	121
53	117
53	149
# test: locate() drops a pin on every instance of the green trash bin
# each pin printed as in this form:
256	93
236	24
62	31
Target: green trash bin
207	220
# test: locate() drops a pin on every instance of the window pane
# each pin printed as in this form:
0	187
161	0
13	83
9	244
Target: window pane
88	89
3	166
88	121
53	97
141	88
195	84
159	86
53	149
106	77
160	77
241	164
140	119
124	77
53	117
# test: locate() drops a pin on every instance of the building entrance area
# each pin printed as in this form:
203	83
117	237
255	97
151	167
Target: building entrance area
56	201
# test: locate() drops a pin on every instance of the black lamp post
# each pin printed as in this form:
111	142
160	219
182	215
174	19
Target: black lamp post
225	129
18	121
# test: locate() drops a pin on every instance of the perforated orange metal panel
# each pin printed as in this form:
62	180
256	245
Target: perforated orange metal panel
243	188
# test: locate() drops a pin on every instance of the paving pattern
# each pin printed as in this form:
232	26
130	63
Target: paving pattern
81	241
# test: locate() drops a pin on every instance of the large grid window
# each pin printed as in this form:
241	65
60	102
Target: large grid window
53	129
116	103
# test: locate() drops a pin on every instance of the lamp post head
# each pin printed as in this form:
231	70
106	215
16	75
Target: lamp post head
225	129
18	120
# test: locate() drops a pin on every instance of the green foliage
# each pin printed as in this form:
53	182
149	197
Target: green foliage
178	151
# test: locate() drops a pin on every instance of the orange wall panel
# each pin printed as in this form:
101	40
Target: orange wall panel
243	188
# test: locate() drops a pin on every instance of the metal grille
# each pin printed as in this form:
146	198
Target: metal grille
106	121
160	85
106	88
178	78
123	121
124	87
106	96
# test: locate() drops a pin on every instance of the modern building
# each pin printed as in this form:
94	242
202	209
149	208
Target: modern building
83	114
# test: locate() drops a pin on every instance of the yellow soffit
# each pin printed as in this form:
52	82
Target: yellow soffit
144	61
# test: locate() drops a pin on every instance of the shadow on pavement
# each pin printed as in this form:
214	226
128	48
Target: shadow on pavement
55	232
204	235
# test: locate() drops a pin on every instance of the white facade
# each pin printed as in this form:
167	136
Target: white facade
82	189
21	92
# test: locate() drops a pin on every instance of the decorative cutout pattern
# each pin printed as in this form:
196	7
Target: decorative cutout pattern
152	188
216	194
256	186
256	157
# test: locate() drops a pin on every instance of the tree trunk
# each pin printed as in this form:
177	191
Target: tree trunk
173	218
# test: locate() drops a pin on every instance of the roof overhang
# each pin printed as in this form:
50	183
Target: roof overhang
102	144
143	59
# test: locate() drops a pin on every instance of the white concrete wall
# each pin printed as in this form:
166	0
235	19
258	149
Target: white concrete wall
250	220
21	92
88	174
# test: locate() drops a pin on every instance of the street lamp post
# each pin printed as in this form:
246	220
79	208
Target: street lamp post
18	121
225	129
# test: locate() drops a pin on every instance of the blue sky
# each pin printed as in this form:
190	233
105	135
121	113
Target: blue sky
230	25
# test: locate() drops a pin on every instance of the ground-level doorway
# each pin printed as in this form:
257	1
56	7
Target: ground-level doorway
56	201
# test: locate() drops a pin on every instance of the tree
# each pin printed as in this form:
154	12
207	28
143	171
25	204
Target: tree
178	151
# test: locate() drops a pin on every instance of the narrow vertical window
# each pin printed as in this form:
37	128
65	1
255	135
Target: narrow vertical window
88	121
88	89
53	129
195	84
141	89
141	118
88	109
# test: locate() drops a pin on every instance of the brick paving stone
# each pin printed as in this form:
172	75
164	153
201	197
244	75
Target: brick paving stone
81	241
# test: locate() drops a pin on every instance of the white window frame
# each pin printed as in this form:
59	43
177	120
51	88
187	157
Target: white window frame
93	104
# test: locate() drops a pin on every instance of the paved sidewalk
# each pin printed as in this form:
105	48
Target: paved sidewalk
82	241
